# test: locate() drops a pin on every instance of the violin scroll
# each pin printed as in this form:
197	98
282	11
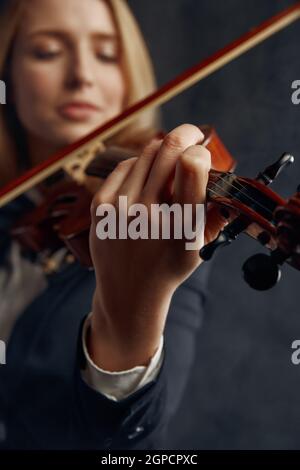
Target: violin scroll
258	208
262	271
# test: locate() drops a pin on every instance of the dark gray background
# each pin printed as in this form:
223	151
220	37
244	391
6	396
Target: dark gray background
244	392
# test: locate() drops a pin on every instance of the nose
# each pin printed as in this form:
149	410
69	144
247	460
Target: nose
80	71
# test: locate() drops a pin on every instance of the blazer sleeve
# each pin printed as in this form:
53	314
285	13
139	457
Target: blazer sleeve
46	403
140	421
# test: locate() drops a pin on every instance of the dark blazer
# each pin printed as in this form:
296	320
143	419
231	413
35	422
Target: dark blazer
44	402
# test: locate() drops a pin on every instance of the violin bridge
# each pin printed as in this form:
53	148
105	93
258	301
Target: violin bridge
76	168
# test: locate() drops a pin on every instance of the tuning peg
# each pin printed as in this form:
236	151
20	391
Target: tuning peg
271	172
225	237
261	271
208	250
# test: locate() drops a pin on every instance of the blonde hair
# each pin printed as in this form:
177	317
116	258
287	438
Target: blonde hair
138	73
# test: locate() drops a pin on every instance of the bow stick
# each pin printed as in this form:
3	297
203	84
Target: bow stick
200	71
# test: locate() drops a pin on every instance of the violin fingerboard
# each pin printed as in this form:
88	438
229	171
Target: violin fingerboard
105	162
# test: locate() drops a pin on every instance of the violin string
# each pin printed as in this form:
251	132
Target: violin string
222	178
231	185
234	197
248	197
238	184
218	193
254	200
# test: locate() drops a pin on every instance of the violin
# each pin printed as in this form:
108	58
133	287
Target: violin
249	205
64	218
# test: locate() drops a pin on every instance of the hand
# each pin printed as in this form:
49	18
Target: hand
135	279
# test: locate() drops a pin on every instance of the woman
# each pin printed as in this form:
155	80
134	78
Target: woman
105	380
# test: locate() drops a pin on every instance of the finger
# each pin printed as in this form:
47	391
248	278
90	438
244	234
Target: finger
215	222
172	147
191	175
110	188
134	183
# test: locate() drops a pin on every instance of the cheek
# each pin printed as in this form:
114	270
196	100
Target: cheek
114	89
33	91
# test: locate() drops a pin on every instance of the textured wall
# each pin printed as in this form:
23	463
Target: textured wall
244	392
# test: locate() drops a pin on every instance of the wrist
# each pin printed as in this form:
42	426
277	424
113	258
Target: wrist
121	342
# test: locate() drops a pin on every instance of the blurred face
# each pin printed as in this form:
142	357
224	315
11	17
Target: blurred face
66	74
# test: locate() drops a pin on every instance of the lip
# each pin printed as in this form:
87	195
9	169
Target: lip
78	110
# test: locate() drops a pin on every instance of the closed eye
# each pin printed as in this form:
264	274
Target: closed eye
107	58
46	55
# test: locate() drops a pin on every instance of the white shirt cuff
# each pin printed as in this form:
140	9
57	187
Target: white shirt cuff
120	384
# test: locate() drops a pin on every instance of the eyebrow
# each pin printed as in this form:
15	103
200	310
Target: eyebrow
62	34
